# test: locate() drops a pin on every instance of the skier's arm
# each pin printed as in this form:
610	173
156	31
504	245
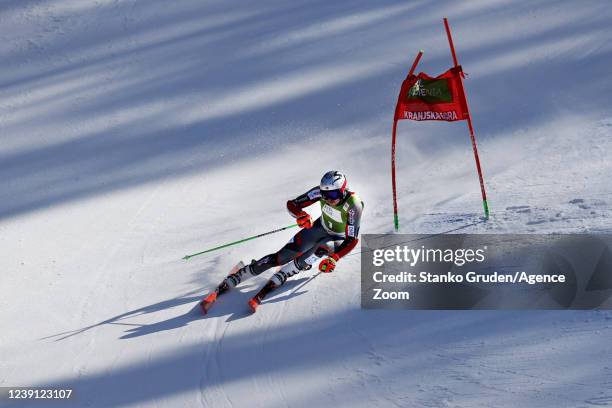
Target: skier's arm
308	198
351	238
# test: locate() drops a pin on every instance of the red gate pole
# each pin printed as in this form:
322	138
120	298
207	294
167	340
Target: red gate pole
395	214
470	127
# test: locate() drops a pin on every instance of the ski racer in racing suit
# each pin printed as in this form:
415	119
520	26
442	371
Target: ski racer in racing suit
333	235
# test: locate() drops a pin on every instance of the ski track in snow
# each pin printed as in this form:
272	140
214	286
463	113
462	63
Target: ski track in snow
218	367
275	383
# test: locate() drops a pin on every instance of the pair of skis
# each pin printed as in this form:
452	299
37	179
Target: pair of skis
208	301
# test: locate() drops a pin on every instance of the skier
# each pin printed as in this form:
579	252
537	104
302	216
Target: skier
333	235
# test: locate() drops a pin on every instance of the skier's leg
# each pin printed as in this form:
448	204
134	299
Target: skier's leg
279	278
321	246
292	268
324	247
300	246
304	262
306	238
305	253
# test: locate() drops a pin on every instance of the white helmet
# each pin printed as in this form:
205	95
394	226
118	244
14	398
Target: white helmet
333	185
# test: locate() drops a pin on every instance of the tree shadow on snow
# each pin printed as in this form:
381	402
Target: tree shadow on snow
332	340
144	115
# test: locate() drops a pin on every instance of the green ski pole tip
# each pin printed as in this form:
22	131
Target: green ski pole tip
239	241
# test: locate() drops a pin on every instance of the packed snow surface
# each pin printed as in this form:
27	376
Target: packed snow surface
136	132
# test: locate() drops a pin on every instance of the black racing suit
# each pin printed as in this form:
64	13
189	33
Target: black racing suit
321	239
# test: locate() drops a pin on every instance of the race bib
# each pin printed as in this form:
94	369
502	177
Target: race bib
332	213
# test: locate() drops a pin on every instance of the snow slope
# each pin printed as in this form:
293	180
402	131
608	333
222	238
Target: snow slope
136	132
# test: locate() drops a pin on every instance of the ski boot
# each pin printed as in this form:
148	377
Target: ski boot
236	275
256	300
277	280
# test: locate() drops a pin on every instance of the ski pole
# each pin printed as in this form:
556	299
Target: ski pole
304	284
240	241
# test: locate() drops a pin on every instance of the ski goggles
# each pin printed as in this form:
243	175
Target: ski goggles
331	194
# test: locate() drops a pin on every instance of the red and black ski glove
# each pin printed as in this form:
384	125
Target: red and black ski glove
304	221
329	264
